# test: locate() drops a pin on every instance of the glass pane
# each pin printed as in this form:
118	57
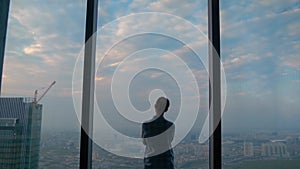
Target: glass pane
260	53
43	41
150	49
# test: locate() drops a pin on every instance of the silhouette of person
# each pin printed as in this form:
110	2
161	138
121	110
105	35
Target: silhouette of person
157	135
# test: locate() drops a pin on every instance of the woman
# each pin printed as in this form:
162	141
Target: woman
157	135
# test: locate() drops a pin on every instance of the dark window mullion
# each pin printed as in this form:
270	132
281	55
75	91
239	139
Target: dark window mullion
215	149
88	85
4	5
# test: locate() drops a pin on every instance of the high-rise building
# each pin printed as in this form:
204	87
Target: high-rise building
20	128
10	143
274	149
248	149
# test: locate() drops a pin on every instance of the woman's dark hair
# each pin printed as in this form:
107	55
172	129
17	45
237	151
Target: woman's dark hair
167	105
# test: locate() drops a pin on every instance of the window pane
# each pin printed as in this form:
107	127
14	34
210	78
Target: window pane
260	53
151	48
43	41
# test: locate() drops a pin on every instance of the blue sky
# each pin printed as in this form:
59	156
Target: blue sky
260	52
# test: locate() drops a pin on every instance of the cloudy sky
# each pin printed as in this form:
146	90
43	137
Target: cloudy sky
260	43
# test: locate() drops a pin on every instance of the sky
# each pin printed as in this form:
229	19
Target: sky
260	44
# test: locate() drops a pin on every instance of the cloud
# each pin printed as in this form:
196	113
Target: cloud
32	49
239	58
139	4
255	43
243	11
176	7
292	61
99	78
293	28
49	31
42	44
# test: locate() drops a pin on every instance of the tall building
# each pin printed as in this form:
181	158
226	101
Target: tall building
248	149
274	149
20	128
10	139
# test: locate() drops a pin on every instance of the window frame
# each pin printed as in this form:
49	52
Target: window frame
215	120
215	142
4	4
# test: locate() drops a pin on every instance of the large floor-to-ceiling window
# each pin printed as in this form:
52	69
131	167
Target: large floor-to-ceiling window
42	42
146	49
260	53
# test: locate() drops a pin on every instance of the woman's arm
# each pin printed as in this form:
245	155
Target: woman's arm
143	135
172	133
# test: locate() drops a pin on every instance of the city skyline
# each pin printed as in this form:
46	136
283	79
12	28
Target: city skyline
189	154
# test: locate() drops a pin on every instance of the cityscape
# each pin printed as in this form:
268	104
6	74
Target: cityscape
24	145
262	149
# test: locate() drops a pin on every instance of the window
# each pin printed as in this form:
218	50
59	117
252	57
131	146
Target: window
144	50
42	42
260	46
143	34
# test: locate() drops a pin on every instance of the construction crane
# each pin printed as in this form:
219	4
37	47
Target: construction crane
36	100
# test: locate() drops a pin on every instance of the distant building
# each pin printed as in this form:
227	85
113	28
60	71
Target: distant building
20	129
292	140
274	149
10	143
248	149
